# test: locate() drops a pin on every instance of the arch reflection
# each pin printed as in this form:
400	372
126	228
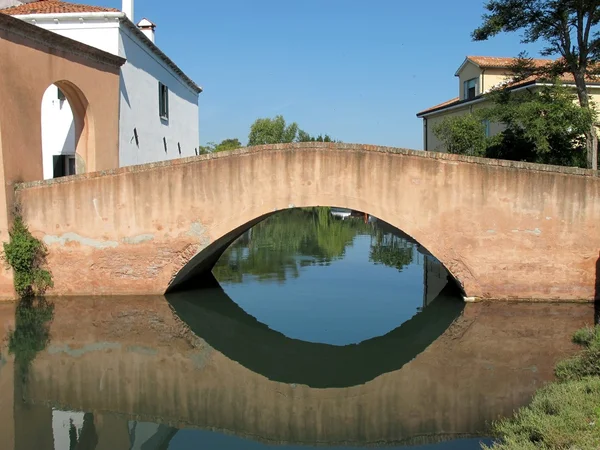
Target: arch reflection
212	315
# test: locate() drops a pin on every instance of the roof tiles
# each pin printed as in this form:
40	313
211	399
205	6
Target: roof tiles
494	62
53	7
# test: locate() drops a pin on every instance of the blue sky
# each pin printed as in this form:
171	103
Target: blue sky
358	70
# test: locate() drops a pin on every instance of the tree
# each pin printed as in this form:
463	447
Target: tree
276	131
226	144
303	136
272	131
463	135
543	126
569	27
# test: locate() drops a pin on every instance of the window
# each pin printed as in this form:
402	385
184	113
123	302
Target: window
486	124
470	88
64	165
163	101
61	95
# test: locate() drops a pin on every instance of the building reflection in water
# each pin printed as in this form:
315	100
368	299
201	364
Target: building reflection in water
138	374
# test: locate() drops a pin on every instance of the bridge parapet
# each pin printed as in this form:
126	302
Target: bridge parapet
503	229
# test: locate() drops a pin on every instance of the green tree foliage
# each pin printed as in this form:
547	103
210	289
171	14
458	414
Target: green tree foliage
303	136
277	131
278	247
26	256
223	146
463	135
544	125
391	250
272	131
570	30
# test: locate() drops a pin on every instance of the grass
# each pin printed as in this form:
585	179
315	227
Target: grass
564	415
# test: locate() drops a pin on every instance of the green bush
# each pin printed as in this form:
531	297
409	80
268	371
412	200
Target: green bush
26	255
587	337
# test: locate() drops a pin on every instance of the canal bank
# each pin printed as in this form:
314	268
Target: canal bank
564	413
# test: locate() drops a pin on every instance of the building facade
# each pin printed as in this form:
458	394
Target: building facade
158	116
477	75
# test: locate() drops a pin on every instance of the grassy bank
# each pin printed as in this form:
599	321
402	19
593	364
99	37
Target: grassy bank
564	414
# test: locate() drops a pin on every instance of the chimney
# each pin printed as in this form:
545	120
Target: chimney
128	9
147	28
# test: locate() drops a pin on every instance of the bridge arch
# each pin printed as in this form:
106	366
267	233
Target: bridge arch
503	229
196	269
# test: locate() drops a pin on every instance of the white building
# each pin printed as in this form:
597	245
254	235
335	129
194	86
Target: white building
158	105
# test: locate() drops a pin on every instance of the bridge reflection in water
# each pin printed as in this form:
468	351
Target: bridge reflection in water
226	327
138	374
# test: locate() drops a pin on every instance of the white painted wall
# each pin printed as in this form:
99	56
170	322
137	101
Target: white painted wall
139	107
99	32
139	98
58	129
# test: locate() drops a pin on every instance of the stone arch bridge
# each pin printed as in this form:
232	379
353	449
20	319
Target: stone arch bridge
503	229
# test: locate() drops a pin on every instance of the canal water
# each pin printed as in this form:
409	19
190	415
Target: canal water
325	328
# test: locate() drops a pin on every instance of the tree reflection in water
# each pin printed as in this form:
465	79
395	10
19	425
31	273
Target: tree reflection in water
278	247
32	332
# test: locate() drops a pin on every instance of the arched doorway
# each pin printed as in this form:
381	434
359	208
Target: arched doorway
66	130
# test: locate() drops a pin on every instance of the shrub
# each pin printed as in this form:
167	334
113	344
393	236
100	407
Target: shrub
26	255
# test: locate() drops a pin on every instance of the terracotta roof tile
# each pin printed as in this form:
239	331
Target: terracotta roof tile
493	62
441	105
53	7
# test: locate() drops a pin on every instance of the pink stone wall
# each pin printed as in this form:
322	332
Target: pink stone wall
503	229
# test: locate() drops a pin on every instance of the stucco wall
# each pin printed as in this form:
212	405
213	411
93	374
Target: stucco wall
33	59
469	72
139	107
493	78
503	229
100	32
139	92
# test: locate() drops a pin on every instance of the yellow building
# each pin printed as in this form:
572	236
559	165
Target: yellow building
477	75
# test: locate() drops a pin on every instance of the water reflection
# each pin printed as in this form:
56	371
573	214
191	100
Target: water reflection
282	244
201	371
131	363
229	329
315	278
32	331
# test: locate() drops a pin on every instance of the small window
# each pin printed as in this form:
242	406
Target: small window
163	101
470	88
64	165
486	124
61	95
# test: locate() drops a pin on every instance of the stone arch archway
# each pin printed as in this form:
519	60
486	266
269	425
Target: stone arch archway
67	129
502	229
195	265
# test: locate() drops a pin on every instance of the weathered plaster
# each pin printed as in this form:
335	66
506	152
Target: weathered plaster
486	220
74	237
33	59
